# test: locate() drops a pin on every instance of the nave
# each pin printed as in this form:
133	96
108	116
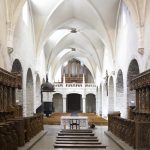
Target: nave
94	55
47	142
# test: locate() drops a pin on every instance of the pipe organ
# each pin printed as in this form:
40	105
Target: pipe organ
73	71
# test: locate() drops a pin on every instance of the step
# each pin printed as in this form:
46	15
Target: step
75	134
76	131
79	139
78	146
77	142
76	137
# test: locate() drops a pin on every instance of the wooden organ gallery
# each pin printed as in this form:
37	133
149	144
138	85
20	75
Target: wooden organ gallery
74	72
136	130
15	130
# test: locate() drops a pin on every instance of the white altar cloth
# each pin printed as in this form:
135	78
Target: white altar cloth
66	122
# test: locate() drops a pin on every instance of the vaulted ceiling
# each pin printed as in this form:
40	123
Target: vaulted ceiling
94	22
89	26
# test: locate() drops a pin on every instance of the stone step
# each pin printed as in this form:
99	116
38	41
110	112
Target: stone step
77	142
76	131
78	146
80	149
76	134
76	137
79	139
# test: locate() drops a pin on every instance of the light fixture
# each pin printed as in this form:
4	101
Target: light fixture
73	30
73	49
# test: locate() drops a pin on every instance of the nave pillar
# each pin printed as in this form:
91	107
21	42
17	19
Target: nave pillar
64	104
98	101
84	104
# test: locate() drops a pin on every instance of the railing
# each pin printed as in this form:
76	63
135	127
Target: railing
143	135
73	84
60	85
122	128
135	133
90	85
33	125
57	85
14	132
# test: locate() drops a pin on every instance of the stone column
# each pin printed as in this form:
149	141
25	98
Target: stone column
98	102
64	104
84	105
50	97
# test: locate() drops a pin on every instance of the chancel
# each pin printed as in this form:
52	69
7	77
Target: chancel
74	74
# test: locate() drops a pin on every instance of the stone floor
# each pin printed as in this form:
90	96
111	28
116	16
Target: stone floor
46	143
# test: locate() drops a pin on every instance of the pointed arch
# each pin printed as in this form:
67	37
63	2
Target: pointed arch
111	95
29	93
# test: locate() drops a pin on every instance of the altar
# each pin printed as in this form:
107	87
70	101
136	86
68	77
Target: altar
74	122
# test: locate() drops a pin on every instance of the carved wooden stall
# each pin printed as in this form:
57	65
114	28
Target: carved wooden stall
136	130
14	130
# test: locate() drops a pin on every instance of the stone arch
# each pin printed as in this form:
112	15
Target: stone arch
111	95
58	102
120	99
133	70
29	93
38	92
90	103
17	68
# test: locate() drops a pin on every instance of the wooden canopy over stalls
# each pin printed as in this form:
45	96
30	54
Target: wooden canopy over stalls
142	86
8	84
135	130
15	130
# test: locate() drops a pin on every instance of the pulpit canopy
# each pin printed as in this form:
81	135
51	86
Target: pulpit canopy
47	86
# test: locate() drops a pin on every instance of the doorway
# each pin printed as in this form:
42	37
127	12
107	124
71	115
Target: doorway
74	103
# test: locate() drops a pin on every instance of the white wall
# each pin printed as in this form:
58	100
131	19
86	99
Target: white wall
25	51
4	58
146	57
125	50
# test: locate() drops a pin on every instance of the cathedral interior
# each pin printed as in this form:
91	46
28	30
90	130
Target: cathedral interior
56	62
